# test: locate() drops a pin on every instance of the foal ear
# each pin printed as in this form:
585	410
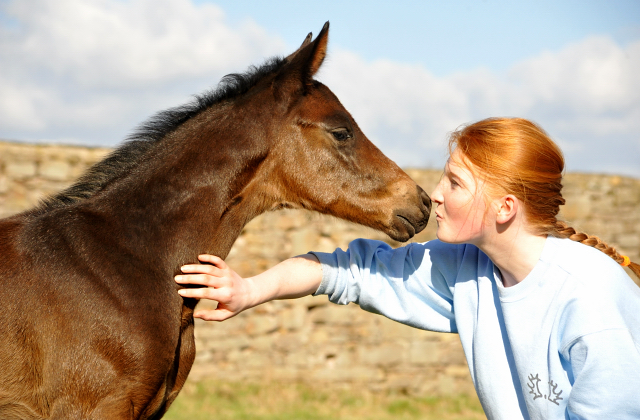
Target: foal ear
302	64
319	50
306	42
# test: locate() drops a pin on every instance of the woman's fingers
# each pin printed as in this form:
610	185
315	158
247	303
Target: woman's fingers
213	315
202	268
214	274
222	285
219	295
212	259
202	280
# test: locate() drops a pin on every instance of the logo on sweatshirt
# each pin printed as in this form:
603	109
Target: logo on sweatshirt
534	389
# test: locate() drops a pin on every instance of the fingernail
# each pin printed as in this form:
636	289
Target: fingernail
178	278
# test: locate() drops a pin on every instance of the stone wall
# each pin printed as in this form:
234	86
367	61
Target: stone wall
309	339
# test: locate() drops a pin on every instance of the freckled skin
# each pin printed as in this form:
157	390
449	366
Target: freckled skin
460	205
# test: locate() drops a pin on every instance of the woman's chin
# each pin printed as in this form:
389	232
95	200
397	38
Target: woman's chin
450	239
440	235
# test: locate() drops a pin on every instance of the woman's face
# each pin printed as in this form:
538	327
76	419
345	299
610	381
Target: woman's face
460	205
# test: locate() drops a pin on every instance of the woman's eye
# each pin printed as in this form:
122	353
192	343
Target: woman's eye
341	134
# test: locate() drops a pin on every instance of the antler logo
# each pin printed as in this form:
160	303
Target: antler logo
552	396
533	386
552	392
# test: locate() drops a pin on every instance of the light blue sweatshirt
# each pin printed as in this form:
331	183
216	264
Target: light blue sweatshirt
562	344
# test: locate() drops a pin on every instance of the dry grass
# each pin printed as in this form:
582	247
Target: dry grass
224	401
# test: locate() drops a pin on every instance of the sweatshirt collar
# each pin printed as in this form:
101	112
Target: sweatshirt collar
534	279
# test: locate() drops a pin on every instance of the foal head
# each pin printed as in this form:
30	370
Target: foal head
320	160
270	138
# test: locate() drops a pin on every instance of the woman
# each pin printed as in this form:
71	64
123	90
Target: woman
550	327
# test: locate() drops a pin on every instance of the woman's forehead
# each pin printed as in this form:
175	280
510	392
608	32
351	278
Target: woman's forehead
459	165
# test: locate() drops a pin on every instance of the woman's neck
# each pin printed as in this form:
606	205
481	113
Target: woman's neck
514	254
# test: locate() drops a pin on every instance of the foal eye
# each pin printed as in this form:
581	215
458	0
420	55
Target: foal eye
341	134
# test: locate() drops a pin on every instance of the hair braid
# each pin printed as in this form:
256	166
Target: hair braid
565	231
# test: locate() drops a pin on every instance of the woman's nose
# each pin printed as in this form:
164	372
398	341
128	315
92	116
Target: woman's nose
436	195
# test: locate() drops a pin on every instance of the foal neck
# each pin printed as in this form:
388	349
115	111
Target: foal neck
186	197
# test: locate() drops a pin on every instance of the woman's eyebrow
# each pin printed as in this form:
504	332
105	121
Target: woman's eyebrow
451	174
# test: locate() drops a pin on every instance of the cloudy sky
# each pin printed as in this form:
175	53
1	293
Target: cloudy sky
89	71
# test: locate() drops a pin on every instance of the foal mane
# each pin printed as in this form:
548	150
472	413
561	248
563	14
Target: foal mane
150	135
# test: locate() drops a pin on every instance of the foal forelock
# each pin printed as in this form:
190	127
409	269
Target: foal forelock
150	134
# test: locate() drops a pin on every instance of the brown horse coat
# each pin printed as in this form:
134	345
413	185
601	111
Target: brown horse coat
91	324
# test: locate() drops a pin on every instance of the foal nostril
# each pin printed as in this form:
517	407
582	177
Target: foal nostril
426	200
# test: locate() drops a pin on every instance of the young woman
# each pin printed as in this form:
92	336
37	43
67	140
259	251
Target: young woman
549	321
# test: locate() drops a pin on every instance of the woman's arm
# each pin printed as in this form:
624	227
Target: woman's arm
605	367
292	278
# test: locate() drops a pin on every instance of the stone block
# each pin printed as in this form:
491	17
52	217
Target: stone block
288	372
298	359
264	343
331	314
20	170
303	240
425	352
55	170
289	219
453	354
323	244
392	329
358	374
458	371
628	240
262	324
385	355
319	336
237	343
293	318
313	301
4	184
576	208
258	360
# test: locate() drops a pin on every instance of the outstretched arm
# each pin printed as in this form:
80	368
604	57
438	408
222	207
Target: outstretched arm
292	278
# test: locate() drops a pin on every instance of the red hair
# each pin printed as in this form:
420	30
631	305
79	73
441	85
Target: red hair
516	156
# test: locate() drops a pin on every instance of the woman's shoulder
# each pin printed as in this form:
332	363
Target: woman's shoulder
597	294
585	263
593	280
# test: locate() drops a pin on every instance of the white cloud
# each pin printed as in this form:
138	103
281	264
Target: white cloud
70	65
586	95
89	72
124	44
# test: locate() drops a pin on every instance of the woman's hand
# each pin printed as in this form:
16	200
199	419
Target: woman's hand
223	285
292	278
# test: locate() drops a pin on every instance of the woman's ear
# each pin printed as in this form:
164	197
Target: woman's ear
507	208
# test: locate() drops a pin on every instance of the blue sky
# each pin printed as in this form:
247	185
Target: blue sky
445	36
88	72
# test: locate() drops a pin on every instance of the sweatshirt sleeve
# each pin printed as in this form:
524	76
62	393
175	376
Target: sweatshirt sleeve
606	372
404	284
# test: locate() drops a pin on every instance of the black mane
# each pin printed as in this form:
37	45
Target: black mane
151	133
